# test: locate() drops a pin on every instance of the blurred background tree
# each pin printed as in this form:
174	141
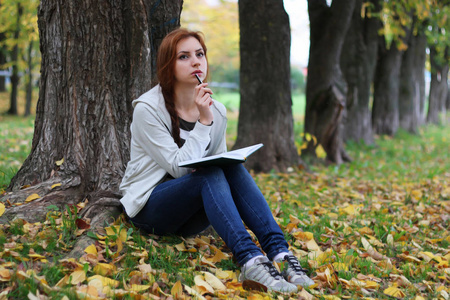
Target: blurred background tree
19	47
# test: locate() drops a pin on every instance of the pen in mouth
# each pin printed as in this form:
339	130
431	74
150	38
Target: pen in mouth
198	78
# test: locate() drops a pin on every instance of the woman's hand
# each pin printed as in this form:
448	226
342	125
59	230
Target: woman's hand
203	101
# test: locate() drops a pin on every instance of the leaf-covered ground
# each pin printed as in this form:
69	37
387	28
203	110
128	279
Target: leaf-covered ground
376	228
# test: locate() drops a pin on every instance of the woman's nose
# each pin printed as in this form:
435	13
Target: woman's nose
195	61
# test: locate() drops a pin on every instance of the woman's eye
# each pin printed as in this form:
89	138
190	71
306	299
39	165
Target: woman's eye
200	54
183	57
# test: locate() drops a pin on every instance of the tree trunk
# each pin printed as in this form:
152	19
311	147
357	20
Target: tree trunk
326	88
385	115
95	60
358	60
2	61
421	58
438	88
15	68
411	73
29	81
265	114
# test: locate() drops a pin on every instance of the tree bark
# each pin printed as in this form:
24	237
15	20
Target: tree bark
438	87
326	88
358	60
421	58
15	68
2	61
385	114
29	80
96	59
411	76
265	114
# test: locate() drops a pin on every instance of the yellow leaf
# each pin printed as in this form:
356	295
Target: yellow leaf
350	210
104	269
77	277
340	266
91	249
139	287
2	209
114	230
194	293
200	281
5	275
181	247
32	197
214	281
105	280
59	162
394	292
303	236
177	290
320	152
56	185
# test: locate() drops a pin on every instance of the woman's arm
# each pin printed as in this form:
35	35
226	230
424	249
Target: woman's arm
152	135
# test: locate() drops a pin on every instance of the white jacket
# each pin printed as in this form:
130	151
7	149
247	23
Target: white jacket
154	153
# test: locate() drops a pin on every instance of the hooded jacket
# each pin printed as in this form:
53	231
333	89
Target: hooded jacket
154	155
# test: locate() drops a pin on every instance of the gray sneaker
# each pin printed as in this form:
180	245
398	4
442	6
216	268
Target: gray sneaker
294	273
262	275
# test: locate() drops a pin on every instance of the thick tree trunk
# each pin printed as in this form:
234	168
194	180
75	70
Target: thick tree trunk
95	60
385	115
326	88
411	74
15	69
438	88
29	81
358	60
266	107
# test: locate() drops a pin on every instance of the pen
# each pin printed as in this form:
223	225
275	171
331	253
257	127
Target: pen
200	82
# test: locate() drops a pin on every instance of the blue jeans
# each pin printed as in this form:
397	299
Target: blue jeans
222	197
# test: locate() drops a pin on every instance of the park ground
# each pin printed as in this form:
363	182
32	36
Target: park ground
375	228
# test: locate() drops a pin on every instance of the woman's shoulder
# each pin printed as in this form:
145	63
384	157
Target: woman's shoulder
152	98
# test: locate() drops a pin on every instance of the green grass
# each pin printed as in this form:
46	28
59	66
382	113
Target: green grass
17	134
398	188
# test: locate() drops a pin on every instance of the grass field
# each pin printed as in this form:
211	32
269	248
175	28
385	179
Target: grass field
375	228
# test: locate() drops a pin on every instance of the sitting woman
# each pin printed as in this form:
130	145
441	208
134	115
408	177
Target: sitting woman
177	120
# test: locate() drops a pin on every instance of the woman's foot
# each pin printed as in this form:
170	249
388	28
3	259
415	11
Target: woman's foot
263	272
294	273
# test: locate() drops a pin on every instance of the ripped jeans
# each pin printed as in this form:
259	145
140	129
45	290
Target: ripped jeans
223	197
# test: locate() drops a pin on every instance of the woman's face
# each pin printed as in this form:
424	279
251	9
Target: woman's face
190	60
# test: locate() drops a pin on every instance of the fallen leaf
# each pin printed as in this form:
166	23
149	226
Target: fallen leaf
32	197
394	291
177	290
59	162
2	209
77	277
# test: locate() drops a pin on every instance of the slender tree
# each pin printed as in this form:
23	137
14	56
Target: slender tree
14	60
96	59
412	80
438	85
266	105
326	88
358	60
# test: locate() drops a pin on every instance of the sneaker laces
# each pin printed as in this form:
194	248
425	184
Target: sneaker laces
294	264
272	271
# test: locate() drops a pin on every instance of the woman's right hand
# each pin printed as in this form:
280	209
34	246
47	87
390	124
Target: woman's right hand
203	101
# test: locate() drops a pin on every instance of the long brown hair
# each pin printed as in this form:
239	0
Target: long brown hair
165	65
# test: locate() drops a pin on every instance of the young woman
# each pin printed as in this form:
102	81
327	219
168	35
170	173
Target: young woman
177	120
